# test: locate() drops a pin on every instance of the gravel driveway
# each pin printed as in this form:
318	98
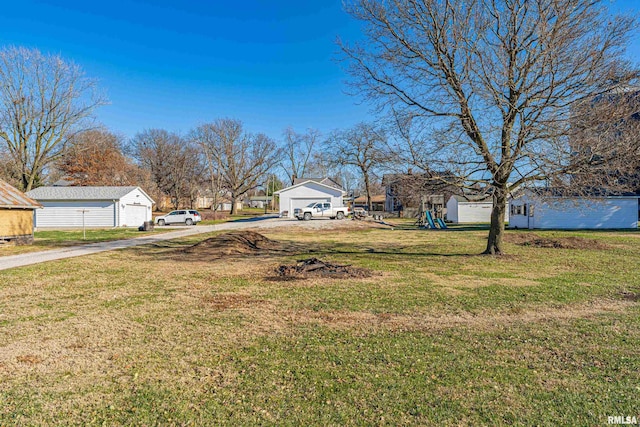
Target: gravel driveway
14	261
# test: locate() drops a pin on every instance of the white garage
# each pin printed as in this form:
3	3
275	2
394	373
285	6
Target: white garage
91	206
470	209
306	191
531	210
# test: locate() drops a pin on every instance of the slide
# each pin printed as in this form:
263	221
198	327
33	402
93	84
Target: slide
430	220
441	223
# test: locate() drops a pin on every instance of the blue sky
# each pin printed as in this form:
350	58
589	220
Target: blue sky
175	64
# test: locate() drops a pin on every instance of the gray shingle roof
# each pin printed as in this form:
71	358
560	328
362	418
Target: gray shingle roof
79	193
11	197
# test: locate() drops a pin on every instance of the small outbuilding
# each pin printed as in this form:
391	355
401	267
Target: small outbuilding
91	206
309	190
551	210
469	209
16	214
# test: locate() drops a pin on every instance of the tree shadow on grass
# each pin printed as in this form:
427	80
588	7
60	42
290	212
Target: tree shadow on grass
188	251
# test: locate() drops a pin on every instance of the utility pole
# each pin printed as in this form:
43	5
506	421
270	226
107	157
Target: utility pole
266	195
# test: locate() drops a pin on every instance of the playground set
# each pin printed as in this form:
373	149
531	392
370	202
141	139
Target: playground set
431	213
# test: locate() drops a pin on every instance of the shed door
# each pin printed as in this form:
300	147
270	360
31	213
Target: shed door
134	215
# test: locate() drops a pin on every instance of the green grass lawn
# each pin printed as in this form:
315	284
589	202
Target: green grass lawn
437	336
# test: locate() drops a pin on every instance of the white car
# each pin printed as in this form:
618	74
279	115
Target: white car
183	216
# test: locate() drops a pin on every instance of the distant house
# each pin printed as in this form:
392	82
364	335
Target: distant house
259	201
91	206
551	210
407	192
16	214
470	209
309	190
377	202
224	204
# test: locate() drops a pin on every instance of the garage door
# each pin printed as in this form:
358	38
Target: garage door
301	203
134	215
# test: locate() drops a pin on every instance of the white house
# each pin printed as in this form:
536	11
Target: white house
93	206
309	190
531	210
461	210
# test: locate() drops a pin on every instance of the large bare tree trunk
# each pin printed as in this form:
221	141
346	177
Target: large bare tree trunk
496	230
367	188
233	204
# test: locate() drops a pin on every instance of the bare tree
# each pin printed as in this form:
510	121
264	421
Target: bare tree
320	165
44	101
605	144
174	164
363	147
495	81
205	137
241	159
298	150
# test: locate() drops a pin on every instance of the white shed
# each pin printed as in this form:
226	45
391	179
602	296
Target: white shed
531	210
96	206
461	210
306	191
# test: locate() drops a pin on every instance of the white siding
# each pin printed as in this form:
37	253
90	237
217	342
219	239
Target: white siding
306	193
70	214
474	212
130	211
466	212
556	213
519	221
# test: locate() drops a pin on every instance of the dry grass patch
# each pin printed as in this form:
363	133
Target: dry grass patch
29	359
473	282
222	302
484	321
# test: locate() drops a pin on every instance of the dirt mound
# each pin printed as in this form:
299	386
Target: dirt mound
630	296
235	243
534	240
313	267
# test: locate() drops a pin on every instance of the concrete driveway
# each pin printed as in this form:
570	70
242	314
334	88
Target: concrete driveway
14	261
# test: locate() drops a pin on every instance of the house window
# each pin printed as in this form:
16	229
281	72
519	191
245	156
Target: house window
519	210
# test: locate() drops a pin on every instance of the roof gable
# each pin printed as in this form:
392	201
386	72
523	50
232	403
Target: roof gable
11	197
324	182
81	193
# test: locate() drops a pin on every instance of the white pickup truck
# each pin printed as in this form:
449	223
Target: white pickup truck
321	210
